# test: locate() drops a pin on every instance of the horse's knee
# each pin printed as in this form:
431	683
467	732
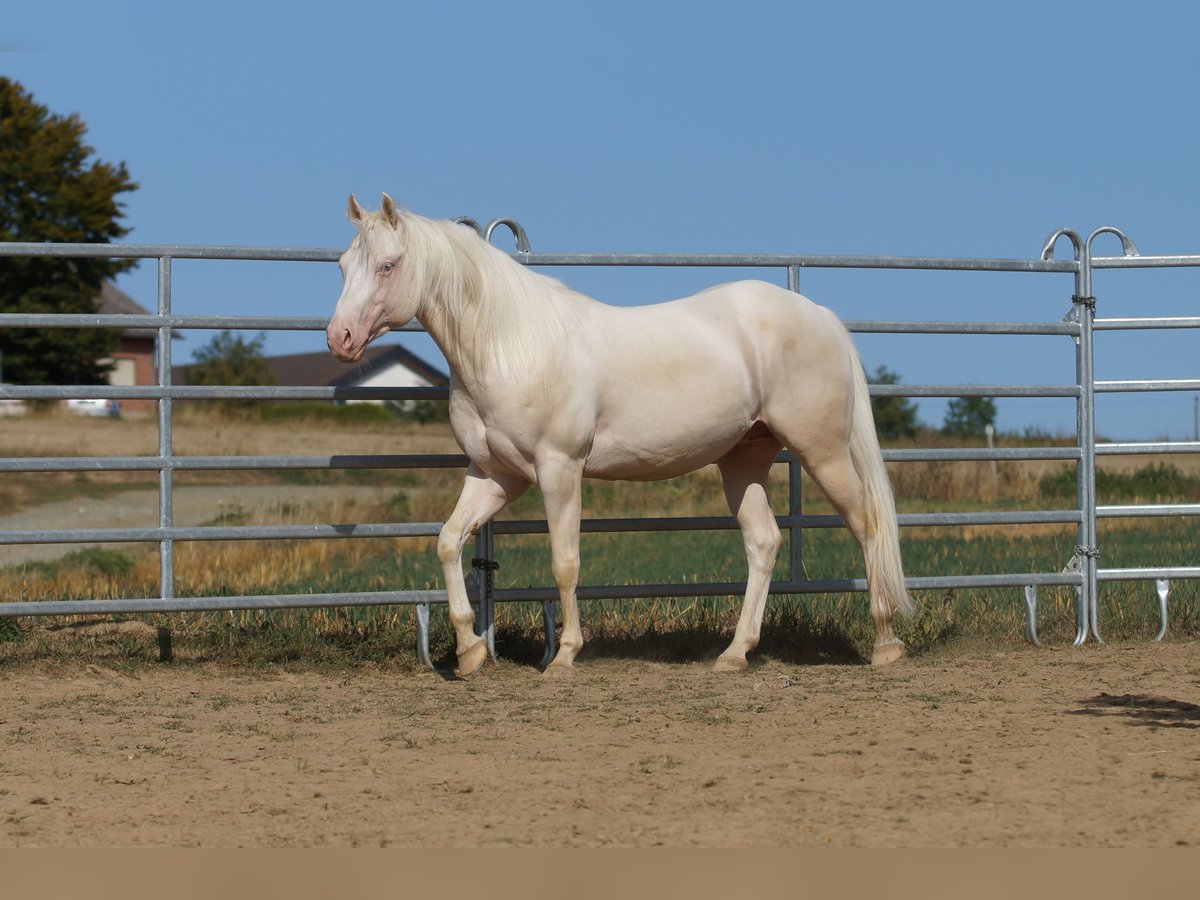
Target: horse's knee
449	546
565	568
763	543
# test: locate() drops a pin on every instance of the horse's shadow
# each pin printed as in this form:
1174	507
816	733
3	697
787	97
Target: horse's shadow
1142	709
691	645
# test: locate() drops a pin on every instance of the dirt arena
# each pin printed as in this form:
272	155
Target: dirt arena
981	747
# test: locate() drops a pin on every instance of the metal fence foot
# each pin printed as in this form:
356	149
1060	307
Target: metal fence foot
1095	617
1031	615
1163	587
549	620
423	635
1081	626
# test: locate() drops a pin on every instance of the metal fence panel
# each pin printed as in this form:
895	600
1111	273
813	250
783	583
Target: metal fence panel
1084	574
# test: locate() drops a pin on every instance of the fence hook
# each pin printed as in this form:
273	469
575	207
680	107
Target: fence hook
1048	246
512	225
1128	247
470	223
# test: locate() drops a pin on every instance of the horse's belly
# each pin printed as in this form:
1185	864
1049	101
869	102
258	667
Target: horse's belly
639	447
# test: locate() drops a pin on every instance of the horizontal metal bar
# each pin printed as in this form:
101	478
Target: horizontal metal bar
1159	447
1024	517
822	586
170	251
503	595
312	323
1132	324
804	261
457	460
1180	572
228	463
975	390
1167	384
174	322
1144	262
215	604
728	523
983	454
870	326
221	392
220	533
722	260
503	526
1148	510
148	322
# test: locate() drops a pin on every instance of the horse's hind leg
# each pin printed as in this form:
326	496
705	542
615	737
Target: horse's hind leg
560	479
744	472
482	497
836	476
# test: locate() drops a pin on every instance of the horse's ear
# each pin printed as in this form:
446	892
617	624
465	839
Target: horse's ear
354	211
389	211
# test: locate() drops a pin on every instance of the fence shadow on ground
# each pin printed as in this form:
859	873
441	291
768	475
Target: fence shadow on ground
1142	710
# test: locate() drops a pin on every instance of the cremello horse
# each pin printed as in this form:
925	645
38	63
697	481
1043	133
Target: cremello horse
549	386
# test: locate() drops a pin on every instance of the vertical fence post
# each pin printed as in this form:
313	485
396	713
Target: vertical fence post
795	500
1082	306
1085	303
485	565
166	516
1084	311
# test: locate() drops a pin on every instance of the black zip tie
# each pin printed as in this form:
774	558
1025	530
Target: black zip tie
1089	302
1087	551
489	565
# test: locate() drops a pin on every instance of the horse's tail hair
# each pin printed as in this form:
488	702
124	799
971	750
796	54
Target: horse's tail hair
884	564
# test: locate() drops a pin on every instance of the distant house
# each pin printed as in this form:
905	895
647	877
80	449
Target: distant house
383	365
134	359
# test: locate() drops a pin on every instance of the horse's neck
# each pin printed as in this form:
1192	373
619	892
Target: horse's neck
447	334
489	346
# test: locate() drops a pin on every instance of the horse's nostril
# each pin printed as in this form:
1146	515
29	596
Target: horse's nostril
347	339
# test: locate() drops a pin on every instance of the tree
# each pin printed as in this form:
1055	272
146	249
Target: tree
230	359
895	417
969	416
51	190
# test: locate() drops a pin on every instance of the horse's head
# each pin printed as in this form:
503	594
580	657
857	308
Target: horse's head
373	293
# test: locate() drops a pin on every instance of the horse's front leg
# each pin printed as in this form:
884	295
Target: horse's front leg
560	480
482	497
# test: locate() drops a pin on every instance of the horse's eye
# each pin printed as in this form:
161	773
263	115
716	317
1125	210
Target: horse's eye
386	267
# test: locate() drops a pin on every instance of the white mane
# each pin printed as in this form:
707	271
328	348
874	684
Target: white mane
502	314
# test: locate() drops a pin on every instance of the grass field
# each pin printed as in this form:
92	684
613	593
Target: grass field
803	626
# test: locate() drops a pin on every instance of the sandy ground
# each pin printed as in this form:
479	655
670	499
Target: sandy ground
1091	746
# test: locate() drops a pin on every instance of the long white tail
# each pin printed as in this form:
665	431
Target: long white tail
884	552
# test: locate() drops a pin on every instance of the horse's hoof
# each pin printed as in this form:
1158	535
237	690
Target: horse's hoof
886	654
471	660
559	672
730	664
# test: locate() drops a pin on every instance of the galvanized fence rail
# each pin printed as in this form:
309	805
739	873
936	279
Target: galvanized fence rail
1082	573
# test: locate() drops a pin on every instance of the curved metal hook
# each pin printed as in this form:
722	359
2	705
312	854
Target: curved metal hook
470	223
1048	246
1128	248
512	225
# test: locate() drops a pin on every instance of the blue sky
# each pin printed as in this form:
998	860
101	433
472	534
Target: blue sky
940	129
